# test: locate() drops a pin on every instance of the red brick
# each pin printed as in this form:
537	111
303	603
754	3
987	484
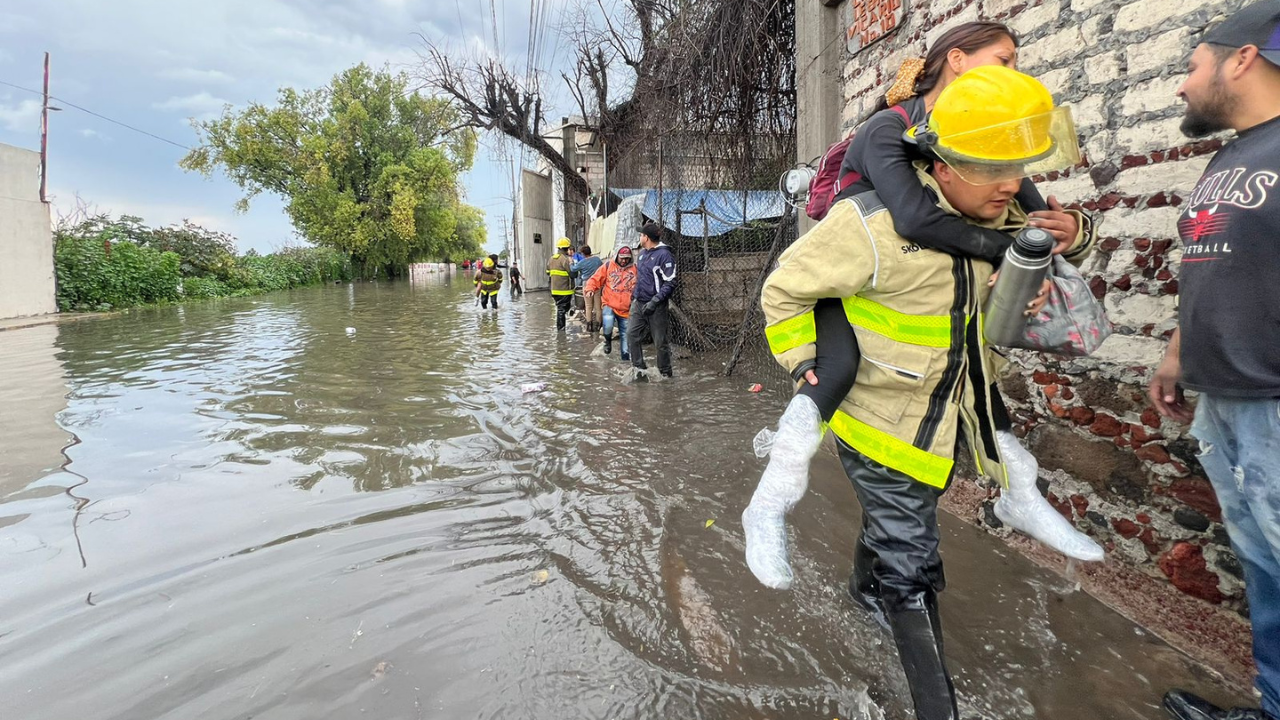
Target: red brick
1139	433
1098	286
1141	261
1082	415
1080	503
1143	518
1124	282
1106	426
1152	541
1151	418
1196	492
1068	394
1185	567
1164	274
1052	391
1108	201
1057	410
1154	453
1109	245
1142	244
1062	506
1126	528
1160	247
1170	288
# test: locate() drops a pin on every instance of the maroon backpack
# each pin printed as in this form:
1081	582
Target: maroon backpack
828	183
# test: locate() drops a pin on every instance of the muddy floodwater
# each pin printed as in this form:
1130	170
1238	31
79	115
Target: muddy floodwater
242	509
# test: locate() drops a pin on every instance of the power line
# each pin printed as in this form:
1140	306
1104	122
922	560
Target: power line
70	104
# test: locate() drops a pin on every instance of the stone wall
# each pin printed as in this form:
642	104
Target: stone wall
1111	464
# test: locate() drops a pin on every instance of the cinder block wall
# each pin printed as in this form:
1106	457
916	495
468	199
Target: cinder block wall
1111	464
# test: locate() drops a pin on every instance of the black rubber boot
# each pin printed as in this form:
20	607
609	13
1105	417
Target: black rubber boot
608	344
863	587
918	634
1182	705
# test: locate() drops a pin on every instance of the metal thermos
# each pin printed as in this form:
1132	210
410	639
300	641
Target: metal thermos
1026	263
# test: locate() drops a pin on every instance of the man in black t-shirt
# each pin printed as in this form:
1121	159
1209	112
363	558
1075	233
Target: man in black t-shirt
1227	346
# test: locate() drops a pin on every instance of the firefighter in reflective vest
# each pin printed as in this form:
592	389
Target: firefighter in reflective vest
561	281
926	374
488	283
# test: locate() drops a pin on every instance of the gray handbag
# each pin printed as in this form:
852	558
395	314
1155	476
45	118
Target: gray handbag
1072	322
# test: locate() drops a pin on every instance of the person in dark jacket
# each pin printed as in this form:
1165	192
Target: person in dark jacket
516	288
655	282
583	270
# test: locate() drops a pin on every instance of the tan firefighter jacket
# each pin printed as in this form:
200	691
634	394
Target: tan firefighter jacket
558	269
488	282
926	371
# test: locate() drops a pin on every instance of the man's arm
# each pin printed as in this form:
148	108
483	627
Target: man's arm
1165	391
666	271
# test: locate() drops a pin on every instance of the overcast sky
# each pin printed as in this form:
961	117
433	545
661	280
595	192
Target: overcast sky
155	64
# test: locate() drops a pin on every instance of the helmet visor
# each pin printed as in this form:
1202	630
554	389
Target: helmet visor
1013	150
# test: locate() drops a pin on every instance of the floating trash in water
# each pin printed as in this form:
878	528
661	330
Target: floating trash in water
533	387
540	577
763	443
380	669
634	374
351	331
755	388
709	523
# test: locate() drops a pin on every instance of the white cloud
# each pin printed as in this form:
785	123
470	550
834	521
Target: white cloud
199	77
201	105
20	116
91	133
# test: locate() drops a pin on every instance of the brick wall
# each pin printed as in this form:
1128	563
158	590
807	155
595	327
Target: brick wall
1111	464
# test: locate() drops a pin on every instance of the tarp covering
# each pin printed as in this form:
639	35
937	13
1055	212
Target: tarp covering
725	210
630	218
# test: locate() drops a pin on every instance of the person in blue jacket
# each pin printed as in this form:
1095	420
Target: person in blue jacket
655	282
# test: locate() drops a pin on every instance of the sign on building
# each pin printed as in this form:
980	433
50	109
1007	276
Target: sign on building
871	20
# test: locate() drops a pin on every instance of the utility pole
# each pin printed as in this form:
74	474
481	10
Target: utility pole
44	136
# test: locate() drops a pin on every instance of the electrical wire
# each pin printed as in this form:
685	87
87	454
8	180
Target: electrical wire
126	126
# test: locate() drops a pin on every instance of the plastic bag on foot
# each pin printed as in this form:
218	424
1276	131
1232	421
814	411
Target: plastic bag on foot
1023	508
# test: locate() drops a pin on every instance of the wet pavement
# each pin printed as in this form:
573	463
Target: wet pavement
240	509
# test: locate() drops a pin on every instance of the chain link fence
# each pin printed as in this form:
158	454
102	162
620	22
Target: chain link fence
718	203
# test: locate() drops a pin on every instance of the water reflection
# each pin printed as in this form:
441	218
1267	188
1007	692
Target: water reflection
287	520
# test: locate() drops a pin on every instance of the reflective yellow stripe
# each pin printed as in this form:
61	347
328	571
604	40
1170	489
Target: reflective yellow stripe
565	273
792	333
891	452
927	330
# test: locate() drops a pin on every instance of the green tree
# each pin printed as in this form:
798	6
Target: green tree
365	166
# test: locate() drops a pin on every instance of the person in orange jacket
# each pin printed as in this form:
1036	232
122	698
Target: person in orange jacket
615	283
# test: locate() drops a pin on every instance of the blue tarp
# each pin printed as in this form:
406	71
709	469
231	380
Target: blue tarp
725	210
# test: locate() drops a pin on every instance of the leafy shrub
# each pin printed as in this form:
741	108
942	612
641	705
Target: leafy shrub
104	264
195	288
96	274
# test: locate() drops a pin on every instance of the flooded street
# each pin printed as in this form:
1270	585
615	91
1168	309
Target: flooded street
238	509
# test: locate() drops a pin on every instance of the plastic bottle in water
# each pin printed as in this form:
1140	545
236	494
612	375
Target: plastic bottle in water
1022	274
533	387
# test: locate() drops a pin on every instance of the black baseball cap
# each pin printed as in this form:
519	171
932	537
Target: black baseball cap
1257	24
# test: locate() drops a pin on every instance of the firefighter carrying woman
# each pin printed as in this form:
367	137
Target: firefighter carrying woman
923	376
488	283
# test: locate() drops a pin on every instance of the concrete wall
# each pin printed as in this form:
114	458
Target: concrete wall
820	59
1112	465
26	238
536	213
